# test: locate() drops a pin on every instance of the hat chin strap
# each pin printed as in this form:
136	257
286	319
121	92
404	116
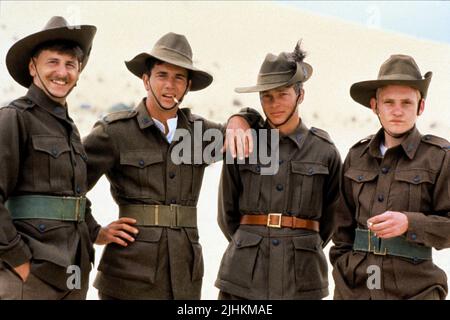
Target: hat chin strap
397	135
48	91
176	104
394	135
288	118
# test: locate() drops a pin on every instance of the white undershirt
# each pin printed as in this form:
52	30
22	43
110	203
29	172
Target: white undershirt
171	123
383	149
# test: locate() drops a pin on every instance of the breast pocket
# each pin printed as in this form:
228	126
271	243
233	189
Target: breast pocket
416	185
362	183
191	181
251	182
142	174
51	163
306	185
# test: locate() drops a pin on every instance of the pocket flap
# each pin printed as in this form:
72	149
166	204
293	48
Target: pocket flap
140	159
45	225
149	234
192	234
360	176
415	176
255	168
52	145
311	242
243	239
308	168
51	255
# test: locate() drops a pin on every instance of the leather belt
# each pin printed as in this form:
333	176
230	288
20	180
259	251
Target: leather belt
277	220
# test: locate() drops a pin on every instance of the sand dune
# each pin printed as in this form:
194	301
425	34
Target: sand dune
229	39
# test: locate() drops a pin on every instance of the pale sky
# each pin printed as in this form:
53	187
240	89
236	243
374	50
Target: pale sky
421	19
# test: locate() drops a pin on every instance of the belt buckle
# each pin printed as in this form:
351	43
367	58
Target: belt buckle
77	209
174	216
156	215
380	253
271	225
374	249
77	216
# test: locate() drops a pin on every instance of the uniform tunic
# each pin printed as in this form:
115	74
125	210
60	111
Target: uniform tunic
41	154
413	178
270	263
163	263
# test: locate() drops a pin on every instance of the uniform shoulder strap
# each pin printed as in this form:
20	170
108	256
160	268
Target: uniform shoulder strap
362	141
321	134
22	103
436	141
120	115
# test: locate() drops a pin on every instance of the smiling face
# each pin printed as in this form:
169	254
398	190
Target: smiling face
397	107
55	73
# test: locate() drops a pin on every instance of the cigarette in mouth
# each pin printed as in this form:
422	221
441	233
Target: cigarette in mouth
176	100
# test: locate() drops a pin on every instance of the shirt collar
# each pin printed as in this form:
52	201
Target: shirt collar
297	136
171	124
145	120
409	145
373	148
41	99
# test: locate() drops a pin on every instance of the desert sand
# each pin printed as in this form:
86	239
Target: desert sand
230	40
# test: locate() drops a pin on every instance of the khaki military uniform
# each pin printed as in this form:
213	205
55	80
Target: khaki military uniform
42	154
280	263
413	178
163	262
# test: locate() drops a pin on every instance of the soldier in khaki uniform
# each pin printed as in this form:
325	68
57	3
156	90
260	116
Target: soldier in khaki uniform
134	149
395	204
278	223
43	226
